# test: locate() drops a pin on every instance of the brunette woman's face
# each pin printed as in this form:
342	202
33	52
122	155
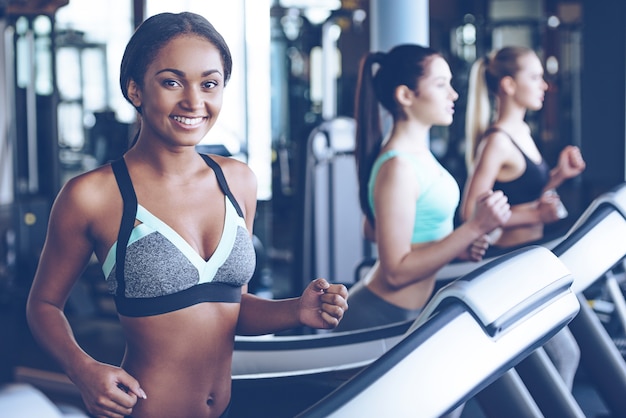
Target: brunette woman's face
434	104
530	85
182	92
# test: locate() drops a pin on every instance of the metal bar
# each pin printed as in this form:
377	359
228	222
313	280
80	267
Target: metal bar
600	357
617	297
31	118
547	387
508	397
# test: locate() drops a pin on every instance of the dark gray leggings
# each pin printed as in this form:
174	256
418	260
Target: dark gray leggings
367	310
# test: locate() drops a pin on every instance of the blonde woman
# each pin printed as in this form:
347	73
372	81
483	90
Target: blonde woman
502	155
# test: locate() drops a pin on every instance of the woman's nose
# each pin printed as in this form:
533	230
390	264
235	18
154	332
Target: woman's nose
192	98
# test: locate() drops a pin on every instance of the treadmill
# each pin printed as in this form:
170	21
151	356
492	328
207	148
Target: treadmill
593	247
472	332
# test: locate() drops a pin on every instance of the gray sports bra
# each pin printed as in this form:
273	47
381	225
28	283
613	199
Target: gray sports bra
160	271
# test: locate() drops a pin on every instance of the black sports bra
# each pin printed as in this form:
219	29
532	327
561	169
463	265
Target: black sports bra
527	187
160	272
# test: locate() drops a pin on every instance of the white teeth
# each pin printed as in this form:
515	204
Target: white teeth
187	121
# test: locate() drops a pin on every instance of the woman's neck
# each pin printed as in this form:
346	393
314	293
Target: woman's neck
176	161
510	113
409	136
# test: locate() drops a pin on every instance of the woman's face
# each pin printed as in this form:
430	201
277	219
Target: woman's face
530	85
434	104
182	92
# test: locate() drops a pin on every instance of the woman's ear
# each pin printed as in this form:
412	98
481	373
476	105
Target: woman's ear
404	95
508	85
134	93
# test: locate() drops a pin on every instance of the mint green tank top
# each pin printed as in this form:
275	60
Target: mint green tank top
438	196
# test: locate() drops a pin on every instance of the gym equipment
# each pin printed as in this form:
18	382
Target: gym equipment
597	251
21	400
472	332
590	250
332	238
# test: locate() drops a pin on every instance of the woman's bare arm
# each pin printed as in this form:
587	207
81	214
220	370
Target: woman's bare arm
395	197
66	252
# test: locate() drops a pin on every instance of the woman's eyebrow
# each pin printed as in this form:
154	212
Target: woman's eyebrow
182	73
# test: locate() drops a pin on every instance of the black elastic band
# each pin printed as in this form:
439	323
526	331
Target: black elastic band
222	182
127	224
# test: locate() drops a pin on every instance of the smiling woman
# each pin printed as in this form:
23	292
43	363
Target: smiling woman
177	267
191	96
244	125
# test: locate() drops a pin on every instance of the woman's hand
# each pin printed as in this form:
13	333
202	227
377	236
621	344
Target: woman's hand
548	207
571	162
107	391
322	304
492	211
476	251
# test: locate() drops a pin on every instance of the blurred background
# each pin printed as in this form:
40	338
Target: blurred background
287	113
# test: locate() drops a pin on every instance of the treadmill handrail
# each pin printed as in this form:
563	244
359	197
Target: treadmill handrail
529	265
598	237
433	335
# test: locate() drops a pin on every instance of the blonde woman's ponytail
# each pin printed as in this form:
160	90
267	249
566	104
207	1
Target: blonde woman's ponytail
478	112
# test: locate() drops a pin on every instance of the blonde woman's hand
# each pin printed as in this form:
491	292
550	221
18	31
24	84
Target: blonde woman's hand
571	162
549	207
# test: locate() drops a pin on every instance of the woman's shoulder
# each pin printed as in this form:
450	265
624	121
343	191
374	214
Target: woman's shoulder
497	140
498	132
94	188
403	170
394	158
232	167
86	178
392	162
240	178
94	177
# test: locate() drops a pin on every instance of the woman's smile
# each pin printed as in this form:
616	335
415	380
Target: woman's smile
189	122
